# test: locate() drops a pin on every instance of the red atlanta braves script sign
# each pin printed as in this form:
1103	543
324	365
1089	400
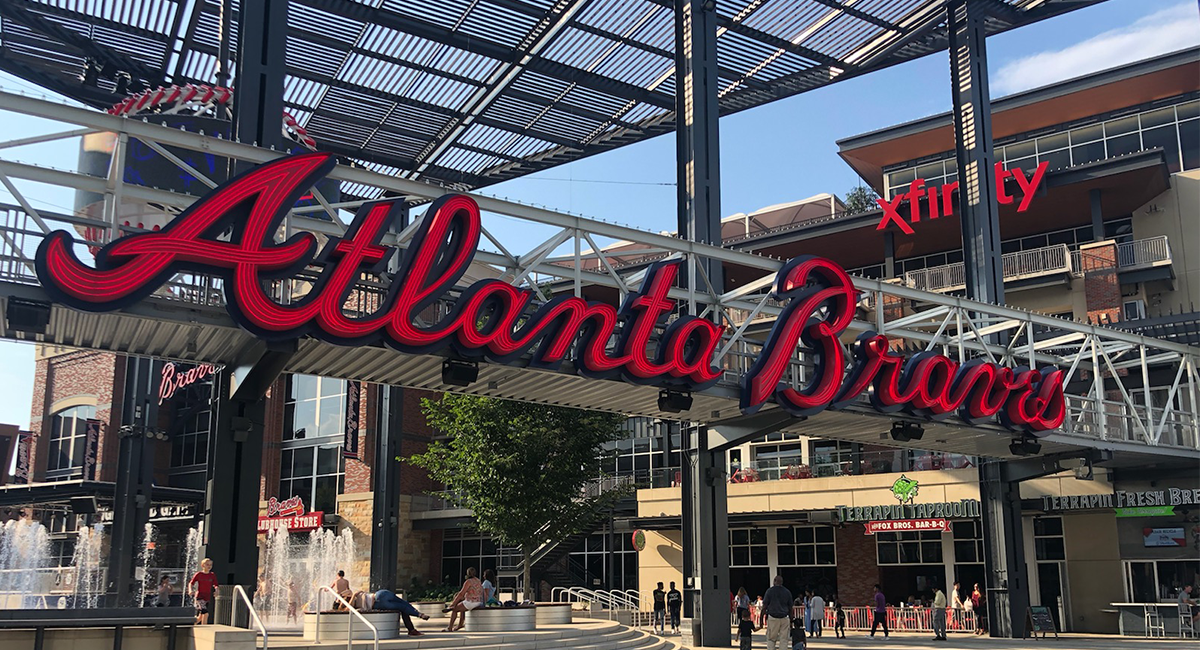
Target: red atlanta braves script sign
504	324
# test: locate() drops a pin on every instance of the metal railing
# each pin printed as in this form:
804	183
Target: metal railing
351	614
616	600
899	619
245	598
1018	265
1144	253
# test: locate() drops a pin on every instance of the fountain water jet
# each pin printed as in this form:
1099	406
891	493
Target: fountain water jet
89	574
24	562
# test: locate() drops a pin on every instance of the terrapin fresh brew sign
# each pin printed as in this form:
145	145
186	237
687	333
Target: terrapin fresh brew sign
502	323
1168	498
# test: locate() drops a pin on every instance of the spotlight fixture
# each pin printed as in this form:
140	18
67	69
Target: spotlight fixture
29	316
83	505
122	87
1025	446
90	74
456	372
906	431
670	401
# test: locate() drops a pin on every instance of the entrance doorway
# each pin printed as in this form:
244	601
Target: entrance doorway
1050	590
916	580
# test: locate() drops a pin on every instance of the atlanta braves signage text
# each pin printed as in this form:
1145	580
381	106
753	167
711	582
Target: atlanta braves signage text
501	322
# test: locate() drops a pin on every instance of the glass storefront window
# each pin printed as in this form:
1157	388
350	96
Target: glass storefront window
315	407
806	546
1170	127
1048	540
921	547
189	444
67	440
1153	581
968	541
747	547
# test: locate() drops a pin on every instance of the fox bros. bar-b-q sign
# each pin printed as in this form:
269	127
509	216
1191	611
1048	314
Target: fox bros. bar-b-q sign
504	323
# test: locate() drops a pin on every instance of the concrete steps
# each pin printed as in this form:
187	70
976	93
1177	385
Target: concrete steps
581	635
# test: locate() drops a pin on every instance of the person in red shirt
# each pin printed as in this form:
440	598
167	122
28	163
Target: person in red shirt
202	586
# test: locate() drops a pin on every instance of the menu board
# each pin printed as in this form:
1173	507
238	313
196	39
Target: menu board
1039	619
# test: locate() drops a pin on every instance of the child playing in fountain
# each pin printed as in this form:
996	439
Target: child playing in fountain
293	601
164	592
202	585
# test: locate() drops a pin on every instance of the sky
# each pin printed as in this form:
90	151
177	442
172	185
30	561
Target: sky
781	152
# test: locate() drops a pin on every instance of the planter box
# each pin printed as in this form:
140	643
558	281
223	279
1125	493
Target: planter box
553	614
502	619
333	625
431	608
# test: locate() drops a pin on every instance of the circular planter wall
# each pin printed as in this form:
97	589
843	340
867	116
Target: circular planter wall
333	625
502	619
554	613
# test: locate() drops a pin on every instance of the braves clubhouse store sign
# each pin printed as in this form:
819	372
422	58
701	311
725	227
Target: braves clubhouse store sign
502	323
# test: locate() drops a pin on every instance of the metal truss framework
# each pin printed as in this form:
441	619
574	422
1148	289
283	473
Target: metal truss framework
469	93
1124	390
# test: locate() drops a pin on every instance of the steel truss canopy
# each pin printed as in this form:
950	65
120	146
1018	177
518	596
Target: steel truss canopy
1124	391
467	93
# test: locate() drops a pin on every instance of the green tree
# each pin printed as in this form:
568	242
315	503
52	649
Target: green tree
860	199
522	468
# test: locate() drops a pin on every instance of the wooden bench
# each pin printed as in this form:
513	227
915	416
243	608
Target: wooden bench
502	619
39	620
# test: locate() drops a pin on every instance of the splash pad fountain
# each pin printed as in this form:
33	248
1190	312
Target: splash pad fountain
295	567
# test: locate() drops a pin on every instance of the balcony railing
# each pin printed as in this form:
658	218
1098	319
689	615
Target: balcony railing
1144	253
1019	265
1039	262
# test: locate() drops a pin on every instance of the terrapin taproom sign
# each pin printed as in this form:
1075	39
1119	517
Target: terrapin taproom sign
502	323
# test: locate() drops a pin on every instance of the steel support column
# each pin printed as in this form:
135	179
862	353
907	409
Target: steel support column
258	87
135	474
1004	552
698	151
385	538
1007	587
977	207
705	539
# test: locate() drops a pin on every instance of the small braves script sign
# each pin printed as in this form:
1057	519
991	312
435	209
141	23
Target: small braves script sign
505	324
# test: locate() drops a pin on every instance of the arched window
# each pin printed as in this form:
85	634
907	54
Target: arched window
67	441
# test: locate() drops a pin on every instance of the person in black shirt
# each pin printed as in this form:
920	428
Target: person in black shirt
674	604
798	640
660	610
746	631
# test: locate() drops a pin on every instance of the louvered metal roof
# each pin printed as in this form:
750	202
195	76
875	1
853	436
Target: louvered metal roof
472	92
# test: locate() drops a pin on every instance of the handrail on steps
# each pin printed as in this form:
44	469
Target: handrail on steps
349	621
237	589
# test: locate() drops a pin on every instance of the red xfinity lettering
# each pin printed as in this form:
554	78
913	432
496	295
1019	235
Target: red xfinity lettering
940	200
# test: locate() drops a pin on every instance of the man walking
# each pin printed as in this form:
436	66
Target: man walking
674	606
777	608
939	614
880	612
660	610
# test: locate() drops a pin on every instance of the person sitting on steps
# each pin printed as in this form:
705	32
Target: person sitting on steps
468	598
389	601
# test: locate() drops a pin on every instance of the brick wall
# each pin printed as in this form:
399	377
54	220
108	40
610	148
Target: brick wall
1101	285
857	572
91	378
417	436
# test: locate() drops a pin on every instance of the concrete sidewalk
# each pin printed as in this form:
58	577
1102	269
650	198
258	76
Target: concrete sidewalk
909	641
